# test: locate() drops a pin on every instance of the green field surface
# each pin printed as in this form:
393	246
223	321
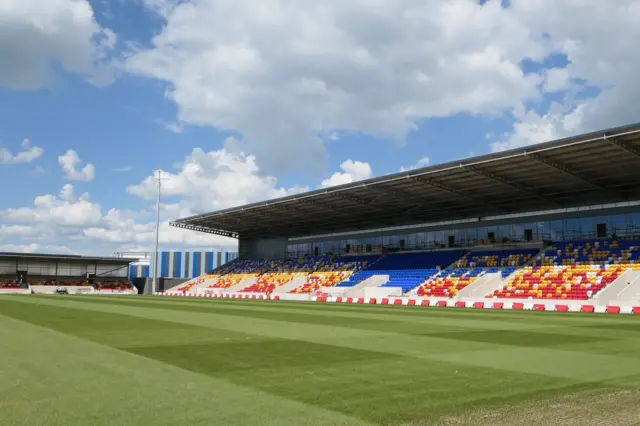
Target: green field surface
100	360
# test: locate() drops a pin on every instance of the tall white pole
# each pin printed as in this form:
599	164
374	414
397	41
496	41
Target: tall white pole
155	258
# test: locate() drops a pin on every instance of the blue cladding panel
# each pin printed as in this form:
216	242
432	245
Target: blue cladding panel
196	264
209	263
147	271
164	264
132	272
198	269
178	261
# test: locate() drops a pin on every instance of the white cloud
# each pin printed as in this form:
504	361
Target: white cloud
352	171
557	79
64	209
379	68
375	68
597	56
35	248
204	181
82	225
69	161
35	34
213	180
423	162
29	154
531	128
17	231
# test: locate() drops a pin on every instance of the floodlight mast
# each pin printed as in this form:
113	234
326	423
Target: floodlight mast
154	280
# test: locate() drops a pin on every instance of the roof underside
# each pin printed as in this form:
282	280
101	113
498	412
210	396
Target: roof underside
602	167
62	258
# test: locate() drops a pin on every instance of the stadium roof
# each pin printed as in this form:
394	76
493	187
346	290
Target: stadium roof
599	167
63	258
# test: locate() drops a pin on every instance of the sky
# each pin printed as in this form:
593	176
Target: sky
237	101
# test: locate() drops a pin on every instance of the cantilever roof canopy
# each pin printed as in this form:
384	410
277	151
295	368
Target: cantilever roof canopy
63	258
600	167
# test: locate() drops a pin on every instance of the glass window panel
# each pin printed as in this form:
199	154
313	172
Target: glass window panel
492	230
517	231
587	227
633	220
618	223
558	230
503	232
471	235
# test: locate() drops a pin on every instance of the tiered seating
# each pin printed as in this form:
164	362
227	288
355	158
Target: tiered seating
406	270
194	282
318	280
268	282
449	282
573	270
231	280
59	282
607	252
472	266
243	267
334	271
8	284
576	282
496	259
118	285
232	273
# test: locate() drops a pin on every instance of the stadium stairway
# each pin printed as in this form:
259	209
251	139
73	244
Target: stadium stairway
493	281
194	284
625	288
486	284
359	289
292	285
475	273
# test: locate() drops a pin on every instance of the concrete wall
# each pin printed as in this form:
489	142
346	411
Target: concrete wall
162	284
262	248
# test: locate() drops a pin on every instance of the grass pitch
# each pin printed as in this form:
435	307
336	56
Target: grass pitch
97	360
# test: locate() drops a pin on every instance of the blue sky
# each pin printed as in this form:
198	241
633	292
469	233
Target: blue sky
237	103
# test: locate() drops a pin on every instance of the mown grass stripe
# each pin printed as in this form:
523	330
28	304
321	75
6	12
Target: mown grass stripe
56	379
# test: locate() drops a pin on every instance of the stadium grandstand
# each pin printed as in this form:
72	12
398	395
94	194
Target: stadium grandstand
47	274
551	225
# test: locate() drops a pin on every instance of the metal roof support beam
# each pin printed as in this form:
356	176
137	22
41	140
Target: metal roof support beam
624	146
323	206
352	198
501	179
564	169
230	222
289	208
359	200
197	228
454	191
396	192
568	171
